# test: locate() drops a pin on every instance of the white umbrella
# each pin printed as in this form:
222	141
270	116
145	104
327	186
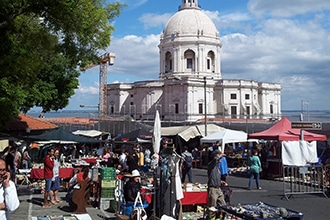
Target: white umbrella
156	138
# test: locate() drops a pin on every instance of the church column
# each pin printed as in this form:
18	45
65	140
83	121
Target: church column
179	59
202	56
218	63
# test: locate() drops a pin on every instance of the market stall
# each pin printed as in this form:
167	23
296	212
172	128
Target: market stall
59	135
225	136
292	155
285	143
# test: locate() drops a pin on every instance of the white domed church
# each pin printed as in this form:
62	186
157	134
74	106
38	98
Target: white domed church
190	85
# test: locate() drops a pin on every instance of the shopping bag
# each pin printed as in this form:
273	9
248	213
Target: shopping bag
138	212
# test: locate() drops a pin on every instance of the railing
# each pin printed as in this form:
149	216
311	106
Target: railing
308	179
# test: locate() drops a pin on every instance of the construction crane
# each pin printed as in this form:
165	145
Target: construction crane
105	60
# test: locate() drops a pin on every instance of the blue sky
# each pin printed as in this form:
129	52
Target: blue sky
280	41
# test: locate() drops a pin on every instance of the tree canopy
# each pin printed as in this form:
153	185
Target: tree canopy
43	43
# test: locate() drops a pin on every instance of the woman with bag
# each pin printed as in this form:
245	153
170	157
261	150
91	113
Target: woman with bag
132	193
255	166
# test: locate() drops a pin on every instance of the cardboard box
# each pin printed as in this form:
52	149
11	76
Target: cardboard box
122	217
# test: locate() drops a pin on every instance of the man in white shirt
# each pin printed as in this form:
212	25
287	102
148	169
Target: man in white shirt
8	194
122	160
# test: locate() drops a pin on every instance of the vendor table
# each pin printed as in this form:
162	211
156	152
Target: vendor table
90	159
236	162
260	211
194	198
65	173
64	217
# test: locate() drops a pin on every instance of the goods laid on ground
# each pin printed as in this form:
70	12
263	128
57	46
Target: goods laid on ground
261	211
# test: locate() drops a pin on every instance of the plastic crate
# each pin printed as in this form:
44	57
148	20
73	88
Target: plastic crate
107	192
108	173
109	204
105	203
108	183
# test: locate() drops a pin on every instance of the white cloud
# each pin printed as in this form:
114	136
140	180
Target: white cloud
285	8
150	20
134	3
136	55
88	89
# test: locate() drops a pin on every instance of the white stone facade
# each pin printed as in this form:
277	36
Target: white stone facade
190	79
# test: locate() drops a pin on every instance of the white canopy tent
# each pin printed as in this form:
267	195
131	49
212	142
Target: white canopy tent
88	133
225	136
189	132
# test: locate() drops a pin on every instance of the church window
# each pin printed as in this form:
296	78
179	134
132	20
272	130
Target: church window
189	63
176	108
200	108
189	56
233	96
112	109
247	96
248	110
168	62
210	61
271	109
233	111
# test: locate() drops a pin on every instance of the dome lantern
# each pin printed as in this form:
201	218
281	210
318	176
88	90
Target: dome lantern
188	4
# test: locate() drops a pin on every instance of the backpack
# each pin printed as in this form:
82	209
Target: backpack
188	161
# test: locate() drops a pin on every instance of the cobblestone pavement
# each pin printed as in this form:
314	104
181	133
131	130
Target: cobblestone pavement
314	206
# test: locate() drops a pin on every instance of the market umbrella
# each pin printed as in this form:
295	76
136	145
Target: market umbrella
156	138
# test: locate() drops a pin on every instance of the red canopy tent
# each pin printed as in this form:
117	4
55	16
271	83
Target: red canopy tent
282	131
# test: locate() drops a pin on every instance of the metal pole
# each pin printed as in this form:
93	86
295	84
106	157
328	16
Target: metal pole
205	109
302	111
99	118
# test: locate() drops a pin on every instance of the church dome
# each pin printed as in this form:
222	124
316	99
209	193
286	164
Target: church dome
190	22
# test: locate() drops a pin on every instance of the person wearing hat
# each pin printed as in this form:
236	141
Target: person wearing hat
132	187
215	195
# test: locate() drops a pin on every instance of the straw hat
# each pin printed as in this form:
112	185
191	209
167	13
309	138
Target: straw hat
135	173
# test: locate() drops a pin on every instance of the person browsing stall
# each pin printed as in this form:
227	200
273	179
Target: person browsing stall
255	165
56	177
215	195
186	165
48	174
223	166
132	187
9	201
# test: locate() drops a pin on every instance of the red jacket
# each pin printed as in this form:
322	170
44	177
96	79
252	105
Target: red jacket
48	167
80	176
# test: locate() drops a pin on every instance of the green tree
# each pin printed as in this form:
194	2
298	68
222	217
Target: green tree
43	43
